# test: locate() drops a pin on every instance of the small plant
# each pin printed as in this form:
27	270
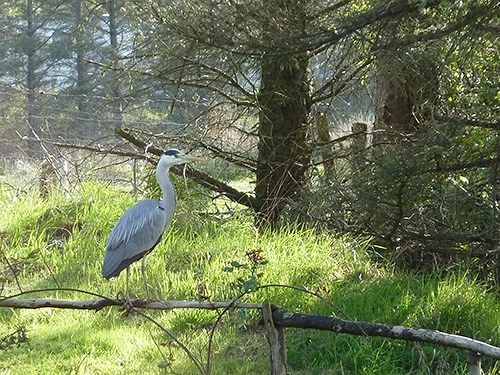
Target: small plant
14	339
248	273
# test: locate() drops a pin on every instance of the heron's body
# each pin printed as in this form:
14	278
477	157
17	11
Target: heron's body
136	233
141	227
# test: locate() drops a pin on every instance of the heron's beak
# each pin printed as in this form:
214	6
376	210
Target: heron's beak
193	159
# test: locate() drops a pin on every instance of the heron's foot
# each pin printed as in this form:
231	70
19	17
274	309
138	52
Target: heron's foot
127	305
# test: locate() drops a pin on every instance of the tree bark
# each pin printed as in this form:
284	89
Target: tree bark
284	105
81	124
282	150
114	83
405	94
327	323
33	146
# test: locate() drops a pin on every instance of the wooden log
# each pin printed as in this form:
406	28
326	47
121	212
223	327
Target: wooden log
325	323
276	340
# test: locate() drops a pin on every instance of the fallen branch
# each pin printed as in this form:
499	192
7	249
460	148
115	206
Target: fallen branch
100	303
325	323
231	157
280	319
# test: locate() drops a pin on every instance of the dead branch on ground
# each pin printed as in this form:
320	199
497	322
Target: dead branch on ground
280	319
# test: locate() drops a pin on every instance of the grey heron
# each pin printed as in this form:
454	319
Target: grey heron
141	227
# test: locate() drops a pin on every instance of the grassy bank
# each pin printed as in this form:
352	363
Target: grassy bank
59	241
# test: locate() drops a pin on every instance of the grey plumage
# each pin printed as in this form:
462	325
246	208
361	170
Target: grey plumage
141	227
136	233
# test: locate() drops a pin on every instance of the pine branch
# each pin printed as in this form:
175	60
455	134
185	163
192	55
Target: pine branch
469	122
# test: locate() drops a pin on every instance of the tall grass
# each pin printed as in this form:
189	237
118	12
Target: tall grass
59	241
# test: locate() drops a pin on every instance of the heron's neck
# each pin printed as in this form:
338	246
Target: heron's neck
166	186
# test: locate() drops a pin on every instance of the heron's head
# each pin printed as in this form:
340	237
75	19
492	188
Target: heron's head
173	156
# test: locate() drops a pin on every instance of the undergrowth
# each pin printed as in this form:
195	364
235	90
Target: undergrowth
58	242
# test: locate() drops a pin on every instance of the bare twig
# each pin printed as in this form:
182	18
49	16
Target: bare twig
101	150
307	291
193	358
232	304
12	269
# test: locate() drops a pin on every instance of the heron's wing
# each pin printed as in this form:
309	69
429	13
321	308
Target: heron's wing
144	214
136	232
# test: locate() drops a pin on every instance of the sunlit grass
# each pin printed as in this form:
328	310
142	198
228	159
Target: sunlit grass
59	241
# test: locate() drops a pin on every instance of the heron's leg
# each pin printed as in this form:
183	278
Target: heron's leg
128	306
126	284
143	266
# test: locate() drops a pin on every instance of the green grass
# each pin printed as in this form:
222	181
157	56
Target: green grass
59	242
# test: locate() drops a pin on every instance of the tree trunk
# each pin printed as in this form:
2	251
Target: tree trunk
282	150
284	105
33	145
115	87
405	94
81	123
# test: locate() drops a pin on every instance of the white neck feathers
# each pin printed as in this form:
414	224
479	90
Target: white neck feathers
162	170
